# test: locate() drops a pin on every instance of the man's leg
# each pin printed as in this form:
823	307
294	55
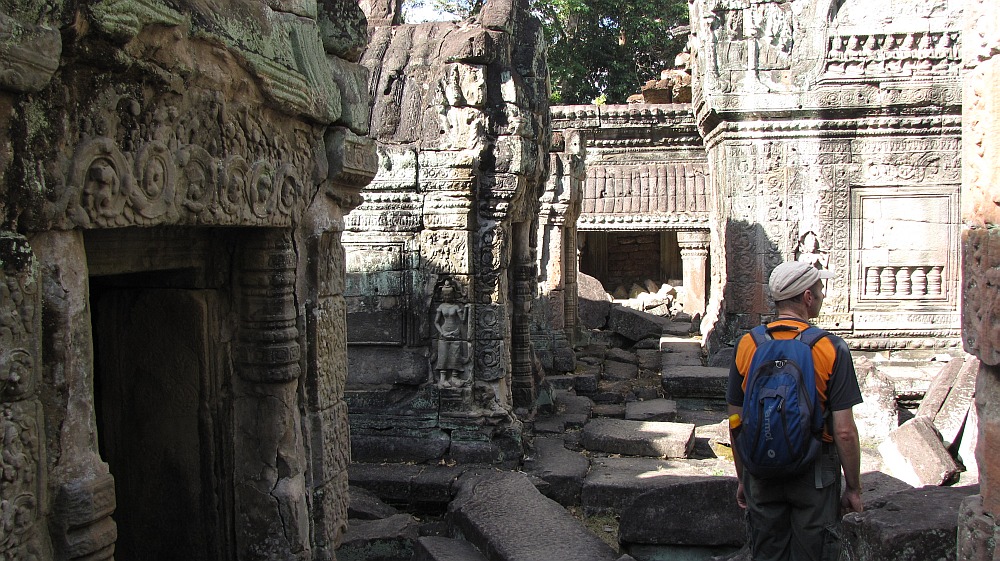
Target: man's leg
816	513
768	520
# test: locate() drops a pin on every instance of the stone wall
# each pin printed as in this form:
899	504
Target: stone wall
833	136
978	520
168	168
442	258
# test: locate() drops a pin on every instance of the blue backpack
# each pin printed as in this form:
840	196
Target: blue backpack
782	427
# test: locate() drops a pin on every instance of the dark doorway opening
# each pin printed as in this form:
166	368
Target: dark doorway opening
157	407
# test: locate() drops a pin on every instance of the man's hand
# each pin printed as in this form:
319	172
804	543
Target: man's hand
741	497
850	501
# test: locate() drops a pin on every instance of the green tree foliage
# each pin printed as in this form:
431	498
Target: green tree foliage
598	49
609	47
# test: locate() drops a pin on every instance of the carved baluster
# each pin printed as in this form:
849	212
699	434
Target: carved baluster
934	281
903	284
871	281
887	282
919	279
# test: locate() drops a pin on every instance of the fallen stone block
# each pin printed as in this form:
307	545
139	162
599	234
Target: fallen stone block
364	505
585	380
617	371
950	418
570	404
878	413
914	453
613	483
594	302
679	351
406	483
651	410
621	355
561	382
699	511
438	548
613	410
695	381
911	525
505	517
639	438
386	539
562	470
635	325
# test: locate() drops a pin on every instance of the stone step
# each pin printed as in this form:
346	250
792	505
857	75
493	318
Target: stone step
437	548
613	483
392	537
651	410
695	382
561	471
699	511
679	351
639	438
507	518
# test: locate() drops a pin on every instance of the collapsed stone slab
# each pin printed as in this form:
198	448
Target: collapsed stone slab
635	325
949	397
912	524
506	518
914	453
639	438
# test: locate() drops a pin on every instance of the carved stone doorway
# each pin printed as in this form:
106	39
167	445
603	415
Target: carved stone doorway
154	393
160	401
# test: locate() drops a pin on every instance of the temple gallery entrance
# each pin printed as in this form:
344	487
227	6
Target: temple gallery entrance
161	410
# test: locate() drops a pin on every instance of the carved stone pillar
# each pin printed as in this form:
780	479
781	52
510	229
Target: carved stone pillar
979	517
694	257
272	520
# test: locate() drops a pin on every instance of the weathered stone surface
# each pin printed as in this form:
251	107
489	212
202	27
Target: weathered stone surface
688	511
651	410
877	415
437	548
595	302
639	438
613	483
617	371
952	395
635	325
562	470
927	531
379	540
621	355
364	505
914	453
679	351
695	381
506	517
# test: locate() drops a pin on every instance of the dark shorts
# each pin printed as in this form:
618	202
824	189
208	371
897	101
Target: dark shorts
791	519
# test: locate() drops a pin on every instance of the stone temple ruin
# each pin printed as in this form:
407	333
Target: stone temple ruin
251	253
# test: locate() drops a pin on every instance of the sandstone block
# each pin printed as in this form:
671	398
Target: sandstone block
562	470
388	538
635	325
651	410
687	511
914	453
364	505
438	548
507	516
639	438
613	483
617	371
909	525
695	381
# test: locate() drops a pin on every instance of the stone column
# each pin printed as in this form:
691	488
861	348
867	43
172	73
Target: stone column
694	257
272	520
979	518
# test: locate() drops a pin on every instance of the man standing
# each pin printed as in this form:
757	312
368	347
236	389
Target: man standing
794	518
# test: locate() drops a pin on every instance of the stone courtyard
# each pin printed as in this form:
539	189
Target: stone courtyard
295	280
